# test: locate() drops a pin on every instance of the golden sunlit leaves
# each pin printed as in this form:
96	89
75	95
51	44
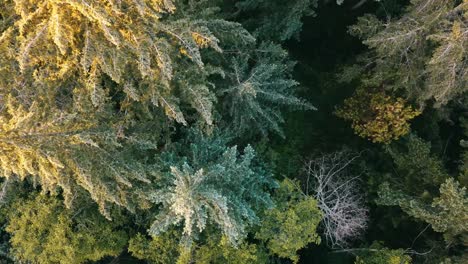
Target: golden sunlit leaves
377	116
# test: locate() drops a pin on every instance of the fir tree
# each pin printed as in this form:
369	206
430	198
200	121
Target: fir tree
65	153
139	48
260	84
210	184
447	213
422	53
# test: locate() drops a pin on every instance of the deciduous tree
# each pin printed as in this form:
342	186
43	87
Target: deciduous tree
292	224
345	215
43	231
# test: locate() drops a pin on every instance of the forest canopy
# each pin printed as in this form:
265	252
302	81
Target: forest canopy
233	131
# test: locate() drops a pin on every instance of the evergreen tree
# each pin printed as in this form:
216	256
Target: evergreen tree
209	183
418	171
138	48
447	213
422	53
275	19
259	85
66	152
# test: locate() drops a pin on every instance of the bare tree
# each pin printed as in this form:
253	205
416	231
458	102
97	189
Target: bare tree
338	195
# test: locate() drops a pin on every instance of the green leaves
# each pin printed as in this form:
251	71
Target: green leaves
292	225
159	249
377	116
42	231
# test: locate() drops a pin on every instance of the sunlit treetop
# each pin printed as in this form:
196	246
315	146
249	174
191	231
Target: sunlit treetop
140	46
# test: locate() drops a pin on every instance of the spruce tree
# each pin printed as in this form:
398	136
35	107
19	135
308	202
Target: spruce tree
209	183
422	53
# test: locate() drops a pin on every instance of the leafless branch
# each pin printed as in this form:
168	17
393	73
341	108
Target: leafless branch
338	196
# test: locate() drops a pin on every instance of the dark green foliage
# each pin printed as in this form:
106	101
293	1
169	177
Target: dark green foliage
447	213
463	178
418	171
276	19
113	109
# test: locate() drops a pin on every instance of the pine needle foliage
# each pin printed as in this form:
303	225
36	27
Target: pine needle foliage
211	184
422	53
140	45
416	168
259	86
276	20
65	153
447	213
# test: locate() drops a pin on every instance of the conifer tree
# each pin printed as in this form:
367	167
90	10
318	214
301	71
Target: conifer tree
447	213
276	20
210	184
139	48
417	169
68	152
422	53
259	86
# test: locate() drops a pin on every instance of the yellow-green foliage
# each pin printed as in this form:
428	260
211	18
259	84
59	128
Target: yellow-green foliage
292	225
166	248
377	116
64	45
377	254
159	249
220	250
42	231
